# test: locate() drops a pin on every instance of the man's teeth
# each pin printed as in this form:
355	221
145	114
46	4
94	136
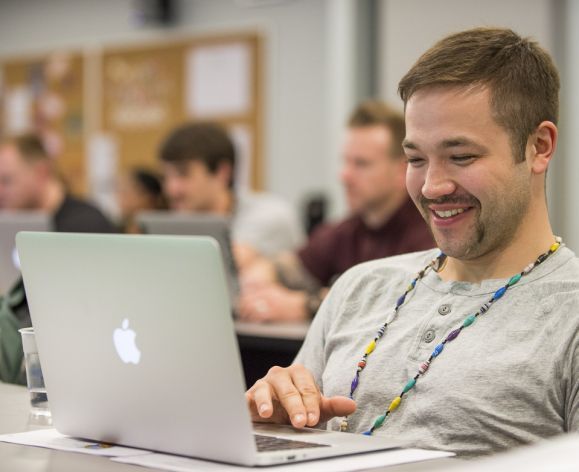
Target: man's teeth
449	213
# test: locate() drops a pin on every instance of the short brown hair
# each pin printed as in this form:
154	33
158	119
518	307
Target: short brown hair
207	142
29	146
520	75
376	113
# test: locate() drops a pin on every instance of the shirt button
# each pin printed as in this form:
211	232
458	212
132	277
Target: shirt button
444	309
429	336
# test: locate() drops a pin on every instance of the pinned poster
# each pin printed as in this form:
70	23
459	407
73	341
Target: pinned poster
218	80
241	137
18	110
102	168
138	92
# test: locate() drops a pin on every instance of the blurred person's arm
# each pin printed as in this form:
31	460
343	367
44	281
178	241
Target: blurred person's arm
286	270
279	290
291	286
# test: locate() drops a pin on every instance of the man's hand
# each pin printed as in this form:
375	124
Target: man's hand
272	303
258	273
290	396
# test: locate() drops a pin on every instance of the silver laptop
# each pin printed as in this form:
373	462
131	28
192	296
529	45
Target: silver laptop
189	224
11	222
138	348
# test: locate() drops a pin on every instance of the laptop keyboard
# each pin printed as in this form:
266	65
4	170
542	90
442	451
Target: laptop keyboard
271	443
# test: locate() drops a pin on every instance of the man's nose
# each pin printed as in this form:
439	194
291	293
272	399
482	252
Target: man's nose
438	183
345	174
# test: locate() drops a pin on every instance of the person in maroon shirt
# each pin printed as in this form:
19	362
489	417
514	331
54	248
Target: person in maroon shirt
383	222
334	248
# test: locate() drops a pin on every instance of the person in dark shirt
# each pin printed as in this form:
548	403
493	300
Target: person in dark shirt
334	248
383	222
28	181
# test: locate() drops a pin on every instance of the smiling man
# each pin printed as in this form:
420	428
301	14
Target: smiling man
473	347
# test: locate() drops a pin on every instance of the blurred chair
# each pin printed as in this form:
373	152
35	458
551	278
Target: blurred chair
314	211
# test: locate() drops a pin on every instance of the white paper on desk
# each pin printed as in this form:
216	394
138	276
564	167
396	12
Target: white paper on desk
338	464
52	439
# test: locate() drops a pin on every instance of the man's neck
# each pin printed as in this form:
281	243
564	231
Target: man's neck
378	216
527	244
52	196
224	203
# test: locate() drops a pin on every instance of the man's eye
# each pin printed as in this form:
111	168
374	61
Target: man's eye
463	159
415	161
361	164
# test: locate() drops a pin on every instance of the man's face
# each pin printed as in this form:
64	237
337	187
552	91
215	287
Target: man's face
131	198
190	186
19	180
462	174
370	174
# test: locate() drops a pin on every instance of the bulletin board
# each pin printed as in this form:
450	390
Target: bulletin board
106	110
45	94
150	89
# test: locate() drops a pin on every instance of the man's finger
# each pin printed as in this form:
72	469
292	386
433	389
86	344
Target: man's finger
308	389
261	400
288	395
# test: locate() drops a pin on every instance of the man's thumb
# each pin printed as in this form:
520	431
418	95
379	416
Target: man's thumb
331	407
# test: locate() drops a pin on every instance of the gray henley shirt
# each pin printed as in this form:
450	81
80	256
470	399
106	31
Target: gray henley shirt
511	378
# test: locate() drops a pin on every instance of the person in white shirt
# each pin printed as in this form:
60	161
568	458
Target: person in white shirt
198	162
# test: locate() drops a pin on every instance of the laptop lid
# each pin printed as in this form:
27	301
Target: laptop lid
138	348
11	222
188	224
91	295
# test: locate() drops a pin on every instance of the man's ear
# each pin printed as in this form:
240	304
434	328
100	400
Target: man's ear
541	147
225	173
401	167
43	169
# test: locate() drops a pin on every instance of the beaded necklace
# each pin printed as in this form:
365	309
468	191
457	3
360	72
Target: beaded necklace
436	265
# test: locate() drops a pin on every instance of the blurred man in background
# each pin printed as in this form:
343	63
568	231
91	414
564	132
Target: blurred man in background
29	181
383	222
198	162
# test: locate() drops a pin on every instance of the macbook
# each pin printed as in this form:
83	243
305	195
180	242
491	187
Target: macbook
138	348
10	223
218	227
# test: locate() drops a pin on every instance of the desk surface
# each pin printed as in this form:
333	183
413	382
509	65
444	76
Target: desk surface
14	418
285	331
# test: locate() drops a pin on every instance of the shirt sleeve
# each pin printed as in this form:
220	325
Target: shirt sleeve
317	256
572	394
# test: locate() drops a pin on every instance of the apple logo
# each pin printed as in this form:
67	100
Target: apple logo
15	259
124	340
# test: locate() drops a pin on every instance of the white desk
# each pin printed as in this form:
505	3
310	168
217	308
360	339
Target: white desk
14	458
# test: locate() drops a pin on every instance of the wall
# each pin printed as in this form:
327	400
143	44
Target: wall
410	27
566	194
